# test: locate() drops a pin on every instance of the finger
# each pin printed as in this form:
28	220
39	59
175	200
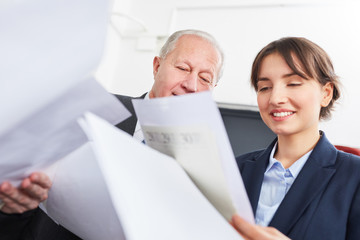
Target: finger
15	196
275	233
12	207
239	222
246	229
233	225
3	189
34	191
37	186
6	189
41	179
15	201
252	231
21	204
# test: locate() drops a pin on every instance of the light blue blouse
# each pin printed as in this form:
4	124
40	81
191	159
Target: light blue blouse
277	182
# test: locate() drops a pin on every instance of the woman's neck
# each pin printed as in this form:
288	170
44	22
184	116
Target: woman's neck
292	147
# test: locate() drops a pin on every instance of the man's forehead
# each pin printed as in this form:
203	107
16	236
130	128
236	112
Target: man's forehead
186	52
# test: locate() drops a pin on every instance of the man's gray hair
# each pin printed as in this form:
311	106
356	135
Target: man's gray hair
172	40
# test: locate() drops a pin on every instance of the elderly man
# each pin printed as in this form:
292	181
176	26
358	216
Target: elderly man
190	61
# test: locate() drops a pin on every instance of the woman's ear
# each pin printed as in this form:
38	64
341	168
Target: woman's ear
327	94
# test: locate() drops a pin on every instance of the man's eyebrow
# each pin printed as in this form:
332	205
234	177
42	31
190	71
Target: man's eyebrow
181	61
186	61
210	71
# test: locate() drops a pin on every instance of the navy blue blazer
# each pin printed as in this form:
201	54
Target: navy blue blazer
324	200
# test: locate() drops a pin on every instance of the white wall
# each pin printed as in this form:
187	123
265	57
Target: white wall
242	28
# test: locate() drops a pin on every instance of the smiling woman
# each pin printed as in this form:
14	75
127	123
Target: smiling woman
295	183
288	103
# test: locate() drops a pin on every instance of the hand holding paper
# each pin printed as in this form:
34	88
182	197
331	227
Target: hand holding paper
32	191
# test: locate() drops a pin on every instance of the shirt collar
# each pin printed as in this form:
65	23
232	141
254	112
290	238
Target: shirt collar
147	96
295	168
138	133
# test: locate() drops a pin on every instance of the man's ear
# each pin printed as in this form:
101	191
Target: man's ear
328	90
156	65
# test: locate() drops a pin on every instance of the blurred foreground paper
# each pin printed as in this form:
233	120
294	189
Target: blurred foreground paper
48	51
190	129
52	132
47	47
79	199
152	195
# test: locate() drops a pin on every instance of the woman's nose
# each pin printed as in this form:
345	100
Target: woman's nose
278	95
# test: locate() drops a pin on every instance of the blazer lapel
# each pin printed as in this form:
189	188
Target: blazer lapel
310	182
252	172
129	124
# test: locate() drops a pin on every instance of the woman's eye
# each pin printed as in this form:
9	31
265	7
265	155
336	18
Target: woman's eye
294	84
262	89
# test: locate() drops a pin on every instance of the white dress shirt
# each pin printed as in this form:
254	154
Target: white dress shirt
138	134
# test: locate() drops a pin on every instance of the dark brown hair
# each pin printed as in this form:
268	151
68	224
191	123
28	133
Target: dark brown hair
315	63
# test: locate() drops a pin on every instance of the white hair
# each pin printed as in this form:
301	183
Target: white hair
172	40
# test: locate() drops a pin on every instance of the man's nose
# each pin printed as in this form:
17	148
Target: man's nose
190	83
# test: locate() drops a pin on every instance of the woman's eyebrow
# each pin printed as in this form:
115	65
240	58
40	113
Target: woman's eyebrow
263	79
290	75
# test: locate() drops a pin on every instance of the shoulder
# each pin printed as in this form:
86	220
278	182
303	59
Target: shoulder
249	156
348	174
326	155
349	161
126	97
126	100
123	98
260	155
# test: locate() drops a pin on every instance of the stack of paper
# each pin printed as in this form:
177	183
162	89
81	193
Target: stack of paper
152	195
131	191
190	129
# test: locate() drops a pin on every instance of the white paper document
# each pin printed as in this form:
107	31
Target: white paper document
152	195
49	50
47	47
190	129
79	199
52	132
